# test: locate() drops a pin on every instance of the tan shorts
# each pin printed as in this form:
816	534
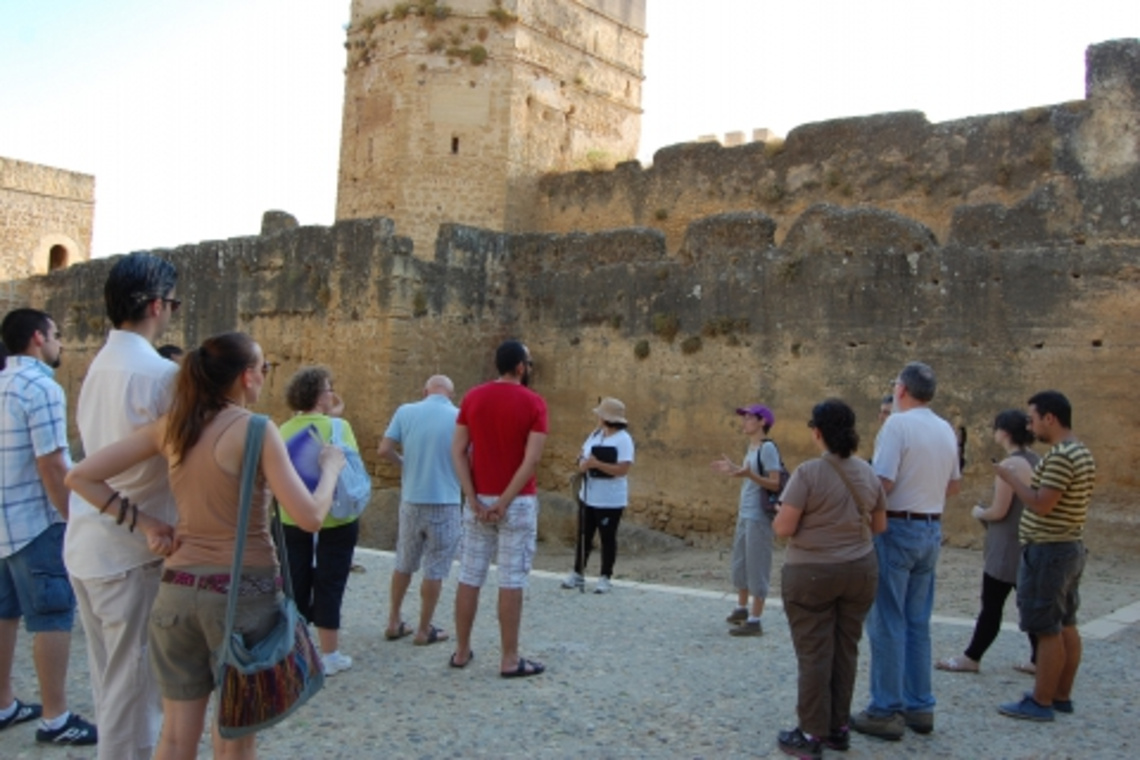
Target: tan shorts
187	626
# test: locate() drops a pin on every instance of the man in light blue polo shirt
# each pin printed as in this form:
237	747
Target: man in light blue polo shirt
430	524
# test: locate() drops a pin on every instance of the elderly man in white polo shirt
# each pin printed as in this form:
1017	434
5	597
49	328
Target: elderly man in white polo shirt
115	576
916	458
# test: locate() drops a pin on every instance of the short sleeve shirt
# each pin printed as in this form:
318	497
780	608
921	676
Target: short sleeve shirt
1068	467
33	423
832	528
323	424
127	386
751	493
424	431
607	493
918	452
500	418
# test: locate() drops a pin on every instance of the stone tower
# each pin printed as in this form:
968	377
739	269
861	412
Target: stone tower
46	218
454	108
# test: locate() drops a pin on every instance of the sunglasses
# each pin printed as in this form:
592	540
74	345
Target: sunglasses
174	304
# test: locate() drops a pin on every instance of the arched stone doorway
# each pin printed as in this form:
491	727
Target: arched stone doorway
55	252
58	257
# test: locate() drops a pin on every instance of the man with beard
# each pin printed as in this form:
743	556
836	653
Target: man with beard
34	459
498	441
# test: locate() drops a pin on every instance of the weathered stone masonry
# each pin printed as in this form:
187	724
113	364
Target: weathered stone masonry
849	297
45	221
1005	289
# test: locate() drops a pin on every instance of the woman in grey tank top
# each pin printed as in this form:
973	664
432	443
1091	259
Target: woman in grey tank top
1002	551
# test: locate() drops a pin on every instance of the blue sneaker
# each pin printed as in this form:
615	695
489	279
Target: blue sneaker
24	712
1027	709
75	731
1060	705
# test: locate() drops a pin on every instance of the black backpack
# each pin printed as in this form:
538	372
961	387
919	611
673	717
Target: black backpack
770	500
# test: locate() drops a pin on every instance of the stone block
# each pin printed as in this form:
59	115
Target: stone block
825	228
741	232
1042	217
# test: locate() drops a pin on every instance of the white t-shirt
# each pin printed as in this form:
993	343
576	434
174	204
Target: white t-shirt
127	386
918	452
607	493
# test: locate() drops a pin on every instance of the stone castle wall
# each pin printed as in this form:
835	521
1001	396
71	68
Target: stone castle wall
1006	282
1078	158
836	309
41	208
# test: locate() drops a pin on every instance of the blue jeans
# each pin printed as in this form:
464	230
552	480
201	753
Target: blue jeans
898	625
34	584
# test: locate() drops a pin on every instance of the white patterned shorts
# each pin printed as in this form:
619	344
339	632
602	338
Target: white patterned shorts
428	532
513	538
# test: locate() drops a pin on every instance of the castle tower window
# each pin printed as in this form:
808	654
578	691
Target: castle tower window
57	258
455	146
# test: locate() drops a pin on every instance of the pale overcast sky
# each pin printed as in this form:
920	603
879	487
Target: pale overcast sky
195	117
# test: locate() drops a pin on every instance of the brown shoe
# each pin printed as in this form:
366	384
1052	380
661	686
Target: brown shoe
890	727
747	629
919	722
738	616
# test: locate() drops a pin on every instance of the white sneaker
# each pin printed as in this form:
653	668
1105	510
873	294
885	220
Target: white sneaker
336	662
574	580
603	586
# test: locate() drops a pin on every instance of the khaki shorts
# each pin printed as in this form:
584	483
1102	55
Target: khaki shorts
187	626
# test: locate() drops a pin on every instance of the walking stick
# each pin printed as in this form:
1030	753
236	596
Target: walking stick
579	539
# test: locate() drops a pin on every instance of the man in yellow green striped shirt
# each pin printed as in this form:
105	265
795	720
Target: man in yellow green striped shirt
1052	555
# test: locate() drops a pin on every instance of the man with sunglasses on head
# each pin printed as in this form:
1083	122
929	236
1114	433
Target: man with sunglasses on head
115	576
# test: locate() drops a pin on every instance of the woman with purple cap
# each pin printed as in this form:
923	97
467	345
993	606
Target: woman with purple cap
752	543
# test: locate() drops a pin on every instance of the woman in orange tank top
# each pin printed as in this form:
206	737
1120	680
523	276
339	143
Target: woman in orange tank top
203	440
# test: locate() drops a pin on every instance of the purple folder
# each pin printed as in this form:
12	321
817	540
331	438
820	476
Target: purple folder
304	449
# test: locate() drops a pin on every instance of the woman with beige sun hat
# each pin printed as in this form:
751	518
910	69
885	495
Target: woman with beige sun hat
604	462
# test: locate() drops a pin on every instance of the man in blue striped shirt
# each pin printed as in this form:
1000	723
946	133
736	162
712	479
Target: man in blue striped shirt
33	511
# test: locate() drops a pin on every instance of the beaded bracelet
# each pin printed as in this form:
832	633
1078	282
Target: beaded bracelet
124	505
106	504
134	517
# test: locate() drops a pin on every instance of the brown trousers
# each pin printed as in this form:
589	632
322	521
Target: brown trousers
826	606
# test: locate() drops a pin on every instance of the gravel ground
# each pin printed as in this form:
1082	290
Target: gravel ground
649	672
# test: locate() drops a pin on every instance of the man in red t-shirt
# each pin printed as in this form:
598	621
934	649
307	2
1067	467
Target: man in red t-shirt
498	442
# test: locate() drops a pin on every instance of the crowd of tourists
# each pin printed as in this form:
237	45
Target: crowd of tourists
170	518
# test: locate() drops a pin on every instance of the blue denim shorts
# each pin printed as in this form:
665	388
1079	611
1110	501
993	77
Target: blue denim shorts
1048	586
34	584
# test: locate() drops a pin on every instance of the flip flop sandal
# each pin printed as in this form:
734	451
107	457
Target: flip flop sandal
525	669
399	633
460	665
434	635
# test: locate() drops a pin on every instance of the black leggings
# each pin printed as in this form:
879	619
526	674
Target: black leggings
319	590
994	594
605	522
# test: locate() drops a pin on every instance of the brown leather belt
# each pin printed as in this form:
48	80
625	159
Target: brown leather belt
924	517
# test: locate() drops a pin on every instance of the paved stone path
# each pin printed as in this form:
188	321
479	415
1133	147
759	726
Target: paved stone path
644	672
